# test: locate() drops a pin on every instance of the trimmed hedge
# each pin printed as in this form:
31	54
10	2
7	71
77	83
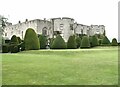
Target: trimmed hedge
31	40
114	42
105	41
14	40
43	41
78	41
19	40
71	44
58	43
51	42
5	48
85	43
94	41
14	48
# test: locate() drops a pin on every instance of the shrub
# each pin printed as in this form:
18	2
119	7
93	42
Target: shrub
114	42
85	43
58	43
71	44
19	40
51	41
14	48
43	41
78	41
100	41
105	41
31	40
5	48
22	46
14	40
94	41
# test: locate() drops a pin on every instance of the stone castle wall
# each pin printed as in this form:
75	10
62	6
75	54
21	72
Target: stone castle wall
64	26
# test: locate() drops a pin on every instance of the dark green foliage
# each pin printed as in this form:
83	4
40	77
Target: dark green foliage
14	48
22	46
50	42
114	42
5	48
100	41
94	41
58	43
105	41
78	41
7	41
19	40
43	41
71	44
31	40
85	43
14	40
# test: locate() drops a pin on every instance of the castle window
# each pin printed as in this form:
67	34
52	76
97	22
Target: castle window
71	26
61	26
5	34
44	31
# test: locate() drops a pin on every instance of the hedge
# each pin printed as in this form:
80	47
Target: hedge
78	41
31	40
71	44
85	43
58	43
43	41
105	41
14	40
114	42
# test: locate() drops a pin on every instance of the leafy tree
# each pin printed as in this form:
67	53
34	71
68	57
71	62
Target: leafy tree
85	43
71	44
58	43
31	40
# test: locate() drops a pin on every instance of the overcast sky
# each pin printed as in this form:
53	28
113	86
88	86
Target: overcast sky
96	12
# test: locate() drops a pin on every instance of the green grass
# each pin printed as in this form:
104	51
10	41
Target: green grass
94	66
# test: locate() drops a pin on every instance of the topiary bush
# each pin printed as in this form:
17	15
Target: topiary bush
31	40
114	42
71	44
58	43
85	43
14	48
5	48
100	42
19	40
94	41
43	41
51	41
105	41
22	46
78	41
14	40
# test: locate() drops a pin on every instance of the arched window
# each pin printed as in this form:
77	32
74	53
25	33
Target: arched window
44	31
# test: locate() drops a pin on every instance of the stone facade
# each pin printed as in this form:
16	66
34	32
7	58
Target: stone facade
64	26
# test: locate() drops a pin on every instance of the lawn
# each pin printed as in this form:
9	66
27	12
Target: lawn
94	66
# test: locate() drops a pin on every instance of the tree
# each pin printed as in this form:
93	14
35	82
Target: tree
105	41
78	41
58	43
85	43
31	40
71	44
3	22
114	42
43	41
14	40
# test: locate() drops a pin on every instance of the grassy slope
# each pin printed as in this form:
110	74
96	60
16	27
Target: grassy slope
90	66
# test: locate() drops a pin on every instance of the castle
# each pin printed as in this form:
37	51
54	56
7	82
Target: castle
64	26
